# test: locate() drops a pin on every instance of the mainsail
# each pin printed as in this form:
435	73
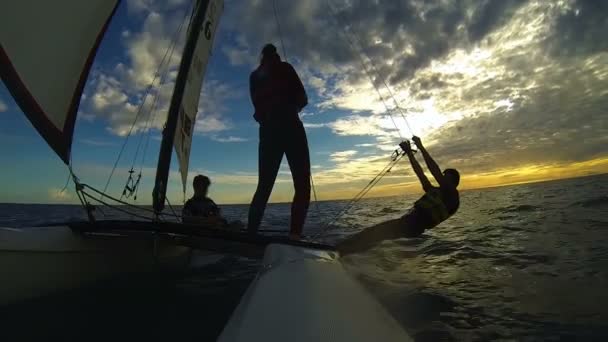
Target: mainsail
192	90
46	51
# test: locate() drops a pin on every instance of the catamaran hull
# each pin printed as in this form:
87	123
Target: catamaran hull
43	260
302	294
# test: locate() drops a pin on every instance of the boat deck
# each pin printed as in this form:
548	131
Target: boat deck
195	236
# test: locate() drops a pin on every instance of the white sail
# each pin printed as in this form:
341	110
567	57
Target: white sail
46	50
192	91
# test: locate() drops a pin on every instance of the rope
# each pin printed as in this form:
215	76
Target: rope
170	206
141	106
364	65
359	196
102	195
168	53
373	66
117	208
151	119
276	18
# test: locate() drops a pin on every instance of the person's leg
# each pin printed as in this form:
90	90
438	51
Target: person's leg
299	162
270	155
371	236
410	225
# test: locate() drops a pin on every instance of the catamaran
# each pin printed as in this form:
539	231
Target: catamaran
46	51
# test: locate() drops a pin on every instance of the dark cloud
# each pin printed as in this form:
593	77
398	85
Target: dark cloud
519	102
581	30
491	14
553	126
400	37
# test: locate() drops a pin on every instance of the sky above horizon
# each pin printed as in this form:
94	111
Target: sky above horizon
506	91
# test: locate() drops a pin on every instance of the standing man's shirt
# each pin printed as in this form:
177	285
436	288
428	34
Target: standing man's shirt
277	92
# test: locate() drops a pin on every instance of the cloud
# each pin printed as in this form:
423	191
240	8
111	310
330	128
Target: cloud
97	142
135	94
314	125
60	195
3	107
342	155
229	139
488	85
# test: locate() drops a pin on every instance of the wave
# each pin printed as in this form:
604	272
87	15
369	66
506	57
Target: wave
592	202
522	208
390	210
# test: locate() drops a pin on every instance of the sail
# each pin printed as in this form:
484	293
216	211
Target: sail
192	91
46	51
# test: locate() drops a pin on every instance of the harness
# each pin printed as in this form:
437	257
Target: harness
433	204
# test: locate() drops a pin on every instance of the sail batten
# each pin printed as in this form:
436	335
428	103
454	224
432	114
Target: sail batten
46	51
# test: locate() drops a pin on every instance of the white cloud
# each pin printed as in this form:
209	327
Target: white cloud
342	155
108	93
210	124
118	94
3	107
314	125
97	142
60	195
229	139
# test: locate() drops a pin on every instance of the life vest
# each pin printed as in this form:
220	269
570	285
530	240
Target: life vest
433	204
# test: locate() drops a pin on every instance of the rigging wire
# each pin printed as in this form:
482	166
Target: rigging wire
151	118
359	196
395	159
373	66
170	206
141	106
102	195
364	65
163	78
115	207
276	18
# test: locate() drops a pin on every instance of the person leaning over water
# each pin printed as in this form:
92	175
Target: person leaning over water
435	206
278	96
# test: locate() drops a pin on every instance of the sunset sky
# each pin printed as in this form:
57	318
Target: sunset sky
506	91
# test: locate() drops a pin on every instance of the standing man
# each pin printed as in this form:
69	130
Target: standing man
278	96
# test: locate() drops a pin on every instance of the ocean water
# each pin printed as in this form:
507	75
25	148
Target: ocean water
517	263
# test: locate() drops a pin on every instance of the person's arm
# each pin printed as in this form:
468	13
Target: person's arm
426	184
298	87
430	163
186	213
252	94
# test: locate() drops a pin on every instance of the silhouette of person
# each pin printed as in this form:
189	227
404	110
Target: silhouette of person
200	209
435	206
278	95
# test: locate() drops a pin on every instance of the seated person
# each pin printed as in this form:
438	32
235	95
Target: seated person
201	209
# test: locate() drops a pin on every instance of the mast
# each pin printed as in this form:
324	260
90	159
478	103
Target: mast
164	157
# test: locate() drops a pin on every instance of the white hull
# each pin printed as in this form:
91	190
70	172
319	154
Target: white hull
306	295
42	260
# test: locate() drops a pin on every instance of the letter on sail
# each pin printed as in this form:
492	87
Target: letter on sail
46	51
192	91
